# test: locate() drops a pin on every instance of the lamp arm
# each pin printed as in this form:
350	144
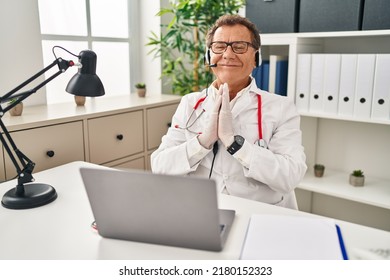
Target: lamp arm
24	166
63	65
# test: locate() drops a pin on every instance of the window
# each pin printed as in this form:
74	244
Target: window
99	25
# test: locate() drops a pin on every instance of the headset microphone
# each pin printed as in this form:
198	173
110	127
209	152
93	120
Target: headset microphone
207	59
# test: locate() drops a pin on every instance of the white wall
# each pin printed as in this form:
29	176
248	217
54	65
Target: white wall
150	68
20	47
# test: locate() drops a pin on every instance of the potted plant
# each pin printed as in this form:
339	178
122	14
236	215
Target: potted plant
181	44
319	170
141	89
18	109
356	178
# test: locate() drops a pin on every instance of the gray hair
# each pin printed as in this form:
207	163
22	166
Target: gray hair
231	20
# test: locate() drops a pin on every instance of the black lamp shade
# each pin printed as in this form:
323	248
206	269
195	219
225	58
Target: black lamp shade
86	82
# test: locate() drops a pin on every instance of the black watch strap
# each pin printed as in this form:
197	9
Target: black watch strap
236	145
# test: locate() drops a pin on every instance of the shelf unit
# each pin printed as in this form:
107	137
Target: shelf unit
341	143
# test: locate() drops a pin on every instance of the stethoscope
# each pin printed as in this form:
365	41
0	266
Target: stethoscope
188	125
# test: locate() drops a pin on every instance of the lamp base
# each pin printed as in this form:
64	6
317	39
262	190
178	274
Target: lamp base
35	195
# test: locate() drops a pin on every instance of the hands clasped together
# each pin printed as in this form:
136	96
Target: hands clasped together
220	125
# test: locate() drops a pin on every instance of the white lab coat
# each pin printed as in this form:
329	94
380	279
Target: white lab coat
267	174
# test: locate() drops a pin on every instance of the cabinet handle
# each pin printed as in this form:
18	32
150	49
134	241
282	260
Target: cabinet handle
50	153
119	137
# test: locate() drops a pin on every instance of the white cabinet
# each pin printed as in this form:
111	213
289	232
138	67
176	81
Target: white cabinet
341	143
112	131
48	146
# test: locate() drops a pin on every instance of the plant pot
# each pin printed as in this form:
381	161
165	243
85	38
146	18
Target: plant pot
319	170
80	100
356	181
141	92
17	110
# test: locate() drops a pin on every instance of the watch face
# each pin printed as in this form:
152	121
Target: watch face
239	139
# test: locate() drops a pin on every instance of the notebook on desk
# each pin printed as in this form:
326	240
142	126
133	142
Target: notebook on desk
153	208
279	237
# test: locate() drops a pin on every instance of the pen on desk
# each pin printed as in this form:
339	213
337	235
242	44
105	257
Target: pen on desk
342	245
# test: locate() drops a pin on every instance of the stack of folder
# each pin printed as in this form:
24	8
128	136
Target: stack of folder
272	75
356	85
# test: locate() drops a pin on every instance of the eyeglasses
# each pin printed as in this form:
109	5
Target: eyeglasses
238	47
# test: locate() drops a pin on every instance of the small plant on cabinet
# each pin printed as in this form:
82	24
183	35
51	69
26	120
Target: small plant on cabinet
140	85
18	109
141	89
319	170
356	178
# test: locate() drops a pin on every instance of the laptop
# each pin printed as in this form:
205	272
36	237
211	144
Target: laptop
169	210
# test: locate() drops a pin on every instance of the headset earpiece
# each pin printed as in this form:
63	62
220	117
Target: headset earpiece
207	57
258	59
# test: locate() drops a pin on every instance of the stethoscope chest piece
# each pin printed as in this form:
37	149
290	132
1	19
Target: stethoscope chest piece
261	143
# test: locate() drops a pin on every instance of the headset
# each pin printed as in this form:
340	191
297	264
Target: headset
207	58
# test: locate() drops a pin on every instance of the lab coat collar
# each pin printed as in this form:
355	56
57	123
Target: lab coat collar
246	100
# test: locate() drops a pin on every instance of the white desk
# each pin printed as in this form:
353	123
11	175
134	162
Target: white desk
61	229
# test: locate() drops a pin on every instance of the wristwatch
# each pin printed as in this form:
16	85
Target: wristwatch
236	145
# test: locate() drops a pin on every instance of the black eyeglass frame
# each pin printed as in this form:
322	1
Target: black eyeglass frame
231	44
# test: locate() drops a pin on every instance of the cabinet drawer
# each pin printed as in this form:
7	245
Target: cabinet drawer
138	163
48	146
114	137
158	121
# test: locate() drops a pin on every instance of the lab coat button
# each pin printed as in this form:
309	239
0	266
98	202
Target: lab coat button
225	177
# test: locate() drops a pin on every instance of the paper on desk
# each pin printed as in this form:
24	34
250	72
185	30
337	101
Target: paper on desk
279	237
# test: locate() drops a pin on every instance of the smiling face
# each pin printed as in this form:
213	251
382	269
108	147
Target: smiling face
233	68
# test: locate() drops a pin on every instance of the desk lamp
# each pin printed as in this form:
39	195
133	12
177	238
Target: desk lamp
85	83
